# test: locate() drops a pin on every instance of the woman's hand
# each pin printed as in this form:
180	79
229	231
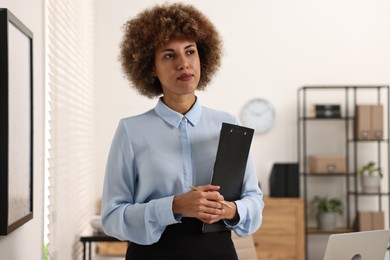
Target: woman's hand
203	204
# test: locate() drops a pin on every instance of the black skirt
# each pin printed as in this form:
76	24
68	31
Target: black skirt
186	241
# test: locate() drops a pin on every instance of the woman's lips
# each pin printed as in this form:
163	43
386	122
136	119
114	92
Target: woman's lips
185	77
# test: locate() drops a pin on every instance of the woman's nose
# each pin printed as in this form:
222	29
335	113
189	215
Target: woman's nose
183	63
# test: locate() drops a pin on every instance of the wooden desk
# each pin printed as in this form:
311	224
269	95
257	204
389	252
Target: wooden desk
89	239
282	234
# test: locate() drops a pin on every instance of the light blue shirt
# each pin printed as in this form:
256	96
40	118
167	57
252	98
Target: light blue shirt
159	154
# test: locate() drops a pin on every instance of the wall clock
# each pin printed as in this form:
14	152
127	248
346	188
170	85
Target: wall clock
258	114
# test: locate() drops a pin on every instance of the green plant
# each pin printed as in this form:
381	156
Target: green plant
370	169
327	205
45	252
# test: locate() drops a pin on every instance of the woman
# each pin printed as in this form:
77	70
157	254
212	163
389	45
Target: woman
156	157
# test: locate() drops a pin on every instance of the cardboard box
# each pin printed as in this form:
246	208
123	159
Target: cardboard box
327	164
371	220
364	220
369	122
376	122
362	123
378	220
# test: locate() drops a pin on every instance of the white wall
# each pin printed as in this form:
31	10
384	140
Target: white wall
27	241
272	48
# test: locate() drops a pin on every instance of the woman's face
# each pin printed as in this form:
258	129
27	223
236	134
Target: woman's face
177	66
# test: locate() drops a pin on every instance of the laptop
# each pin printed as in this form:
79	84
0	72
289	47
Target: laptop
364	245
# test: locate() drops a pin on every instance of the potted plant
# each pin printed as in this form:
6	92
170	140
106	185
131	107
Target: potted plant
370	177
326	210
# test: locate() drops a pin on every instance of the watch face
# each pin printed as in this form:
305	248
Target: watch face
258	114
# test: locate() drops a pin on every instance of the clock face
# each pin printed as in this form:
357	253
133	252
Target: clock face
258	114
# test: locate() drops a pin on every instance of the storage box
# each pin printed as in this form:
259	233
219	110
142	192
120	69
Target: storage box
326	111
362	122
369	122
376	122
327	164
371	220
284	180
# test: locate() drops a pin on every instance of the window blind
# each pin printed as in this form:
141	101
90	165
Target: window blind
71	146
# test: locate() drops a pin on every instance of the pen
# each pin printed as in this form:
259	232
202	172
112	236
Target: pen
224	203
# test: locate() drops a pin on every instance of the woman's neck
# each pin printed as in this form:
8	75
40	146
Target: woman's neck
181	104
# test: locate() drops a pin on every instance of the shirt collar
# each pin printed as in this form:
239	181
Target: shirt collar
174	118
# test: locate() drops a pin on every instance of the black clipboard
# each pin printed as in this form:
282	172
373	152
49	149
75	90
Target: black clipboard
230	164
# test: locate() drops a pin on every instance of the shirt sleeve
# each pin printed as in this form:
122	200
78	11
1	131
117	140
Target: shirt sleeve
250	205
122	217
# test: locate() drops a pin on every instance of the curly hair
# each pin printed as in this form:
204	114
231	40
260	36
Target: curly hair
155	27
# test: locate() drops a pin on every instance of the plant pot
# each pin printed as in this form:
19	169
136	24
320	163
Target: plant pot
327	221
371	183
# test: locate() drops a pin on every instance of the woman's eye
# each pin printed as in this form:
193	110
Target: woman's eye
190	52
169	55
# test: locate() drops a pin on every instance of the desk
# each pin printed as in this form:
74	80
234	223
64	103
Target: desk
89	239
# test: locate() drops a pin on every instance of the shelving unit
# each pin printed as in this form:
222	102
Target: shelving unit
343	138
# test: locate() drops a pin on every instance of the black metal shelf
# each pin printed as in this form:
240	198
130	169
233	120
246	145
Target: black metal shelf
368	141
341	87
326	174
358	193
352	193
310	118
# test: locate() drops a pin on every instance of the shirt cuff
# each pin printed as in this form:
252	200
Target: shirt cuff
241	210
164	212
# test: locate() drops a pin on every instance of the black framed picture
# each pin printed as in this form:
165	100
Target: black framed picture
16	127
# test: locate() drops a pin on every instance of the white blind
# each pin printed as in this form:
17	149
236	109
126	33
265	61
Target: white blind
72	174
